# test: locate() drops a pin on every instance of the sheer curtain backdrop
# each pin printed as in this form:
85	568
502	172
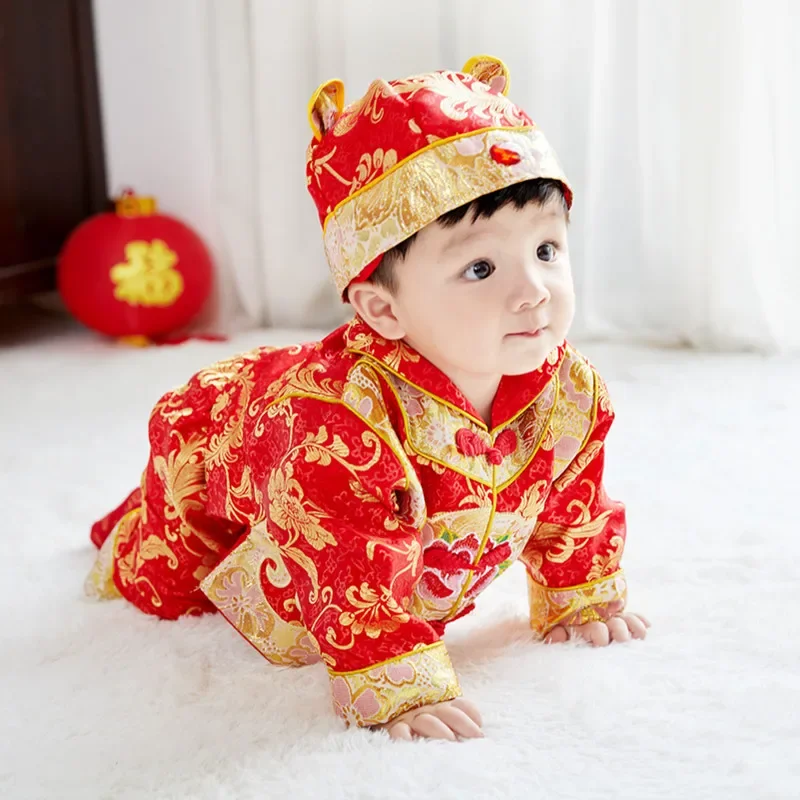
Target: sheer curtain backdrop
677	120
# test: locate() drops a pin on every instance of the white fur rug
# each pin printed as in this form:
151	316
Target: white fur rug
100	701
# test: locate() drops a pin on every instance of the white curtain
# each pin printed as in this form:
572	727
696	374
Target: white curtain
677	120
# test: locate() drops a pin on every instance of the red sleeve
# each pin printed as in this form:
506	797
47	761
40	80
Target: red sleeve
344	514
573	556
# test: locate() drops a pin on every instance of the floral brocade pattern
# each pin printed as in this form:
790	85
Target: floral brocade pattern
574	605
431	431
341	501
236	588
418	191
376	695
411	150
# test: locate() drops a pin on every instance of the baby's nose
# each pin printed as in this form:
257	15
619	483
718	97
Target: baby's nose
532	292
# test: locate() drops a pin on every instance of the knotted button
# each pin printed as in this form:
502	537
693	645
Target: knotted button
470	444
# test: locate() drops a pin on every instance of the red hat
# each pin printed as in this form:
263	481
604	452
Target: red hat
411	150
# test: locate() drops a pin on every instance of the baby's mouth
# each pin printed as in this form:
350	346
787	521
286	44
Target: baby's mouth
532	333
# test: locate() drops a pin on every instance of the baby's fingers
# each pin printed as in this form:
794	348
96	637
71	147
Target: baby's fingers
614	607
400	730
636	625
596	633
557	635
459	722
430	726
618	629
469	709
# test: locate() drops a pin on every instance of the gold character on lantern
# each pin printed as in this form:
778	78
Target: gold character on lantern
148	276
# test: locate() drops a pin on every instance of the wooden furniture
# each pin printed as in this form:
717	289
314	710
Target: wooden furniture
52	171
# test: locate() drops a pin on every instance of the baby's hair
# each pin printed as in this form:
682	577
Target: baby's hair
540	191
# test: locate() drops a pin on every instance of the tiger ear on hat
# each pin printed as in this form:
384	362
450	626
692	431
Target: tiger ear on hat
325	107
489	70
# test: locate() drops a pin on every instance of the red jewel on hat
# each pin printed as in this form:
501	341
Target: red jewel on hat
504	155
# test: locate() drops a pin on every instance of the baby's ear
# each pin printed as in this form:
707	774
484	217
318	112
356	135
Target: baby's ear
489	70
325	107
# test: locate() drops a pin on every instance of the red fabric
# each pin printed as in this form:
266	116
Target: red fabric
267	436
358	134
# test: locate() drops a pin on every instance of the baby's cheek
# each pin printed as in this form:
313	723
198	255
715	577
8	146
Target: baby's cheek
562	300
469	344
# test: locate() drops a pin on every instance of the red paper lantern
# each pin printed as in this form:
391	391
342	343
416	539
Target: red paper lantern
134	273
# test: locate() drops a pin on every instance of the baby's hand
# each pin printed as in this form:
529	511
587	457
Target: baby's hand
446	720
619	627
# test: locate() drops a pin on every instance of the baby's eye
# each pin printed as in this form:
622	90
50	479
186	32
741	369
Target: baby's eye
479	271
546	252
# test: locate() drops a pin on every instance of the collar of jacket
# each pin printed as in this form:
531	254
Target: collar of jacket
514	395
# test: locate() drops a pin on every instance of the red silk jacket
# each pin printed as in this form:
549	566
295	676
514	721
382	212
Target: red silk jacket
342	501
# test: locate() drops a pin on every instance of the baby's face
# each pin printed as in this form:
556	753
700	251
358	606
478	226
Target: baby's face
489	297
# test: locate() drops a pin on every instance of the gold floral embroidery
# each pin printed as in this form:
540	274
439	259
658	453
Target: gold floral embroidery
574	414
398	353
573	605
300	379
234	379
603	399
362	393
127	567
99	584
567	539
292	512
234	587
431	428
238	494
580	374
323	163
457	101
605	564
579	463
367	105
223	447
172	406
182	474
370	166
361	494
533	500
460	101
155	547
437	467
477	495
375	613
379	693
228	372
533	560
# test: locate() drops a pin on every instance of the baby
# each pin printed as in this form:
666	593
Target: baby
345	500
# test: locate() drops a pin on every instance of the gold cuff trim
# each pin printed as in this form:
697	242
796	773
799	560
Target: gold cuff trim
574	605
99	583
440	177
235	588
379	693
